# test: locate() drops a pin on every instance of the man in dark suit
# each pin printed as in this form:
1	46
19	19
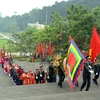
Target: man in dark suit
96	68
87	74
61	73
51	71
36	76
41	75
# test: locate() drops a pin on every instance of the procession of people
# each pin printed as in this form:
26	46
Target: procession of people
73	65
20	77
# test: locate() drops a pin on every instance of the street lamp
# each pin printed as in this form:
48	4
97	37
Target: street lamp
14	31
61	35
46	16
15	21
61	28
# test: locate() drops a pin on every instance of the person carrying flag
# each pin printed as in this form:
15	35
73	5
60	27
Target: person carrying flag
87	70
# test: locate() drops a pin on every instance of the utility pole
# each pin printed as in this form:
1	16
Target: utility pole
15	21
14	31
61	31
46	17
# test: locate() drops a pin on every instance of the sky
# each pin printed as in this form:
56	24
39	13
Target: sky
9	7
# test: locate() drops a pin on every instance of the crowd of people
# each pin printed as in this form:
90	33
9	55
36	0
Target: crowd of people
89	68
20	77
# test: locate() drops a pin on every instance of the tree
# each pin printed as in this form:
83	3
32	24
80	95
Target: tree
40	14
96	16
80	23
25	40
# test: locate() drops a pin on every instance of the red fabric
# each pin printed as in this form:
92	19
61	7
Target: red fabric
24	79
19	71
31	81
2	60
71	60
41	50
37	49
94	47
50	49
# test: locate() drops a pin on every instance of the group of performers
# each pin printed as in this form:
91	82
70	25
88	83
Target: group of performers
20	77
89	68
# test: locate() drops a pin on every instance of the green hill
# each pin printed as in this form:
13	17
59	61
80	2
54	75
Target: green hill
7	24
4	42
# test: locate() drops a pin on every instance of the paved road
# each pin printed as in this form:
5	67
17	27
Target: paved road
4	79
32	66
27	66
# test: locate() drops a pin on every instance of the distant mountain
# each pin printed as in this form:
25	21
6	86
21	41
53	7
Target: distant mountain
17	23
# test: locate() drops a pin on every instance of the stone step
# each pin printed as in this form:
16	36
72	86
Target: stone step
27	66
64	96
39	90
90	95
4	79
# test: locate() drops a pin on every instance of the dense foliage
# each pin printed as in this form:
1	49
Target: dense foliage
17	23
78	23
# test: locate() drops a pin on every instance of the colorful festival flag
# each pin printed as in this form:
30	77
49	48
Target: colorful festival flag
74	61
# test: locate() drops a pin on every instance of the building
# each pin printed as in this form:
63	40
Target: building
37	25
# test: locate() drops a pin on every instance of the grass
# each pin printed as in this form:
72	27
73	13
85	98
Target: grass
5	43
